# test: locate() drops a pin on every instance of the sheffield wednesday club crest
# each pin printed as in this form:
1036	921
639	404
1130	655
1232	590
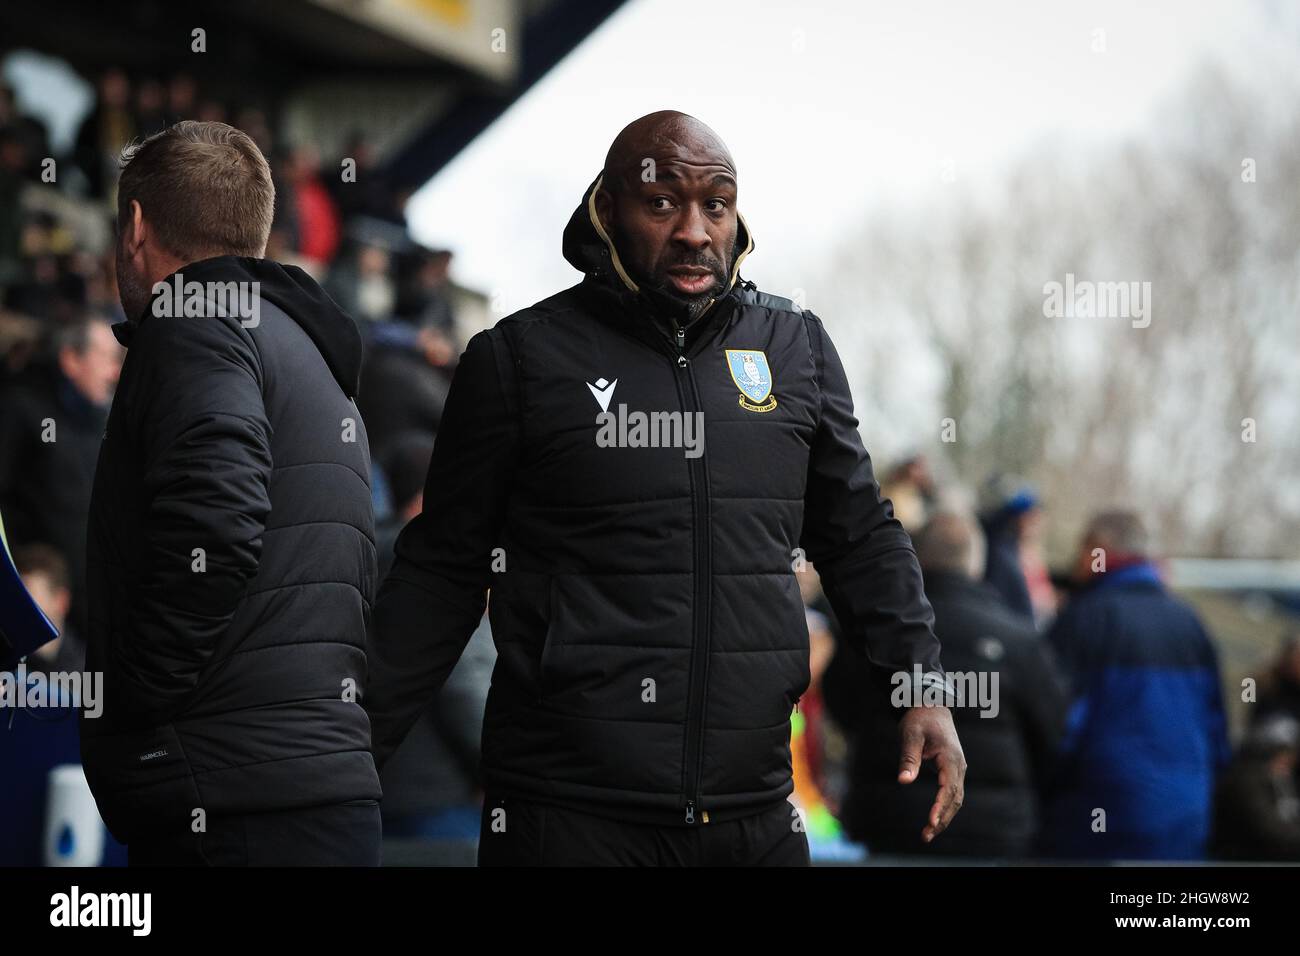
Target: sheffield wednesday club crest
750	372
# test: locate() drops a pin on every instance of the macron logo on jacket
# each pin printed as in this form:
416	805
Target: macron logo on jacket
603	391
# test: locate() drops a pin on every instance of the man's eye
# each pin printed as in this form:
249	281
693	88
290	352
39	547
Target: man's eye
716	205
661	203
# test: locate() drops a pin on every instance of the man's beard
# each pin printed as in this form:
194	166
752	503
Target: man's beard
688	308
132	291
682	308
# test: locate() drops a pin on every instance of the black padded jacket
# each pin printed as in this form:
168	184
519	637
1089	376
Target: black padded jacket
231	562
650	633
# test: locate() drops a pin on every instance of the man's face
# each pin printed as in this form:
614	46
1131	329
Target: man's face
51	599
1084	559
95	371
677	232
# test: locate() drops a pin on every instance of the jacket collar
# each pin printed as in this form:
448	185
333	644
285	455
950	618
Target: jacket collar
1136	573
289	289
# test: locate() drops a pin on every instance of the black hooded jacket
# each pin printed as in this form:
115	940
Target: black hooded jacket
650	633
231	562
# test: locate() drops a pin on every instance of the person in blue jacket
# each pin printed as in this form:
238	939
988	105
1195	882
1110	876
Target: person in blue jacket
1146	734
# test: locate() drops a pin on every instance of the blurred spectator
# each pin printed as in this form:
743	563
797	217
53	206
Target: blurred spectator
182	96
910	487
51	424
34	742
423	287
405	464
399	394
361	282
1012	520
38	740
11	213
253	121
26	133
150	108
1279	692
318	229
1257	808
1009	738
431	784
808	722
45	575
36	291
369	193
210	111
103	133
406	375
1146	735
432	788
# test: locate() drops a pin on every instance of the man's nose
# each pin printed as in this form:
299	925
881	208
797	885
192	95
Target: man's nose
691	231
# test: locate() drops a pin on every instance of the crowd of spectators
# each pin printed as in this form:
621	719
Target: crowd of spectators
1105	737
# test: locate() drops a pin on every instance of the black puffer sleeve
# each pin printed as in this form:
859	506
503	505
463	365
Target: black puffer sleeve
868	568
203	434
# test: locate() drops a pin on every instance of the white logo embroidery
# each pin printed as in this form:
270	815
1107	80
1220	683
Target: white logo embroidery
603	391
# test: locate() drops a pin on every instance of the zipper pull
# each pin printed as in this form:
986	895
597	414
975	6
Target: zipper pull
690	811
681	338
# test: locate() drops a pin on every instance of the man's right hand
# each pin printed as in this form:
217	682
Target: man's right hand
928	733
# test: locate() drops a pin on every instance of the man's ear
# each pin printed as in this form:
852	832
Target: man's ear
135	221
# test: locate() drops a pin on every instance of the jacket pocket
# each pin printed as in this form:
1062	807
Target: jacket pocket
142	782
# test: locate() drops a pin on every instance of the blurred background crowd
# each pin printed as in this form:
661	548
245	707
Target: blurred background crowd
1146	708
59	362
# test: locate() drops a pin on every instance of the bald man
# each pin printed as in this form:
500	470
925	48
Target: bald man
635	467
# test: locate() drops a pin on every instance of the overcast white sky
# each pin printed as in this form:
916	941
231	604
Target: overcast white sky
828	107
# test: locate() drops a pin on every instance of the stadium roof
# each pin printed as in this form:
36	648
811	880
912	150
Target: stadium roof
473	57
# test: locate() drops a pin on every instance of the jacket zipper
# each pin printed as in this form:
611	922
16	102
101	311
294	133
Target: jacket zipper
700	641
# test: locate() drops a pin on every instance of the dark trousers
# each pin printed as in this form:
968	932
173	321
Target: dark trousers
517	832
345	834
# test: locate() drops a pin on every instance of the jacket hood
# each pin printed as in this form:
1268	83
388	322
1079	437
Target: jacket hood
295	293
590	250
